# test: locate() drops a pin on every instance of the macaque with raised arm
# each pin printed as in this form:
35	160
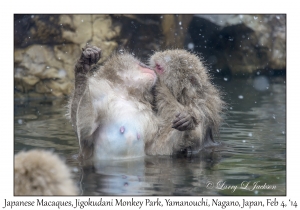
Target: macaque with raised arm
110	108
188	106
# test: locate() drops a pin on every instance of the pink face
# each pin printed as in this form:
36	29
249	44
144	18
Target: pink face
150	75
158	68
147	70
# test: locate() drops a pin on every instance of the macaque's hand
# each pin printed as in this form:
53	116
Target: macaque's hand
89	56
183	121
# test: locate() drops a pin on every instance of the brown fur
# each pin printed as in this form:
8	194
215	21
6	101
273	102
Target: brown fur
184	88
97	103
39	172
101	91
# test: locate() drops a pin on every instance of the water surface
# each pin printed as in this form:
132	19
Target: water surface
253	152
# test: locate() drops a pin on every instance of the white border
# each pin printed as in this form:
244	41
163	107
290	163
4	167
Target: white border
9	8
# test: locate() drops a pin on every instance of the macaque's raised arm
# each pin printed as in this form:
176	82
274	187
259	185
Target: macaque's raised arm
81	105
89	56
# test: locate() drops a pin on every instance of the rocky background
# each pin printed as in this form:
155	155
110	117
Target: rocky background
46	47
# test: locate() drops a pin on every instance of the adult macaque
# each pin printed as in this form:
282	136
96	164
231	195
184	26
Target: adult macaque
188	105
110	108
39	172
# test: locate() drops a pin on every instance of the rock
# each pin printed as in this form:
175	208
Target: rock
174	28
57	88
30	80
240	44
105	34
77	29
67	55
35	95
37	66
144	34
37	29
47	46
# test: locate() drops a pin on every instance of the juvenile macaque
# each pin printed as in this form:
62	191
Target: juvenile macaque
110	108
39	172
188	105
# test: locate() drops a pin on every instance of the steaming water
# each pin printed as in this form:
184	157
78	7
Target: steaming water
253	151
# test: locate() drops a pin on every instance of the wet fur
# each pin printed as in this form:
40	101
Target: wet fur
184	86
95	102
39	172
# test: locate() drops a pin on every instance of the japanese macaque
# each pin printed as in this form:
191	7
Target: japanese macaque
188	106
110	108
39	172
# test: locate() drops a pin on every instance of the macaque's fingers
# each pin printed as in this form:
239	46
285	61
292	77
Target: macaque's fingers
90	55
183	126
86	54
98	54
93	56
176	120
97	49
94	48
180	122
179	116
183	121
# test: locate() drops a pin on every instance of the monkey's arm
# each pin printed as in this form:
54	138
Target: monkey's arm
83	116
89	56
168	107
184	121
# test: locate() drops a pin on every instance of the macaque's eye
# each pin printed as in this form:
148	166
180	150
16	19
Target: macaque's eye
158	67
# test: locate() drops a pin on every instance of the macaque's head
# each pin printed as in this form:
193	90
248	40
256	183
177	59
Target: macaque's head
178	69
40	172
127	70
